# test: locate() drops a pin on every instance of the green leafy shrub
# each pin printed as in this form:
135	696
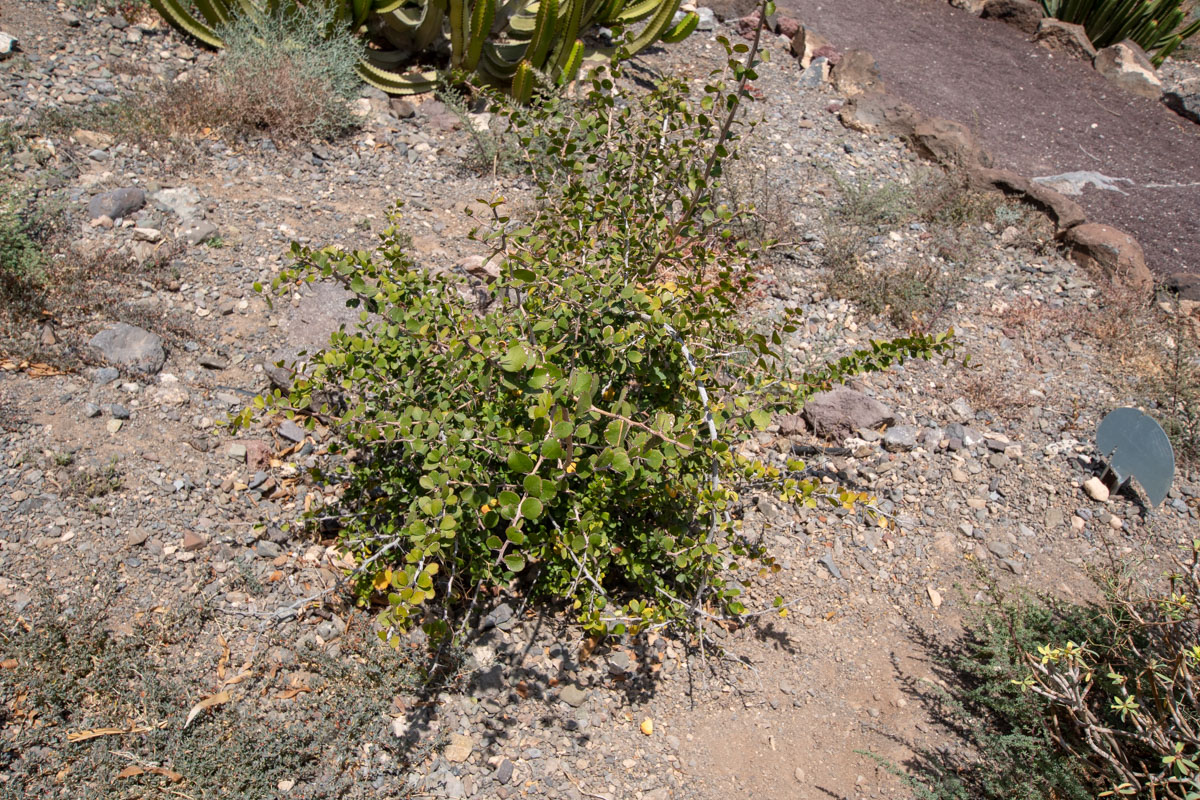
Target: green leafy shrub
27	222
1124	701
505	43
1153	24
1010	751
286	74
1077	701
575	430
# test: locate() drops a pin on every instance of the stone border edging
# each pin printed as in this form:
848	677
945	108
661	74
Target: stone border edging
868	108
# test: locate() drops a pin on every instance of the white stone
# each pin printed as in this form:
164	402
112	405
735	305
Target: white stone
1096	490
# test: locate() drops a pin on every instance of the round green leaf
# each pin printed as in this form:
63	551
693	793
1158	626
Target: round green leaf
520	462
515	358
531	508
514	562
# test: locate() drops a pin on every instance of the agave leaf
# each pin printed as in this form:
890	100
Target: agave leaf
215	12
174	13
414	82
428	28
499	62
386	6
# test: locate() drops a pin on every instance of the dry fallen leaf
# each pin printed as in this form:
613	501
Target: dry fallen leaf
216	700
290	693
8	663
95	733
224	659
585	649
647	726
130	772
241	676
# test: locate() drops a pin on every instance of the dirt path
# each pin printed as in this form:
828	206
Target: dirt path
1038	113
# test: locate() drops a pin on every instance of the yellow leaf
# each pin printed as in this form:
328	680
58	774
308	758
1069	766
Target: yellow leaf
647	726
216	700
382	579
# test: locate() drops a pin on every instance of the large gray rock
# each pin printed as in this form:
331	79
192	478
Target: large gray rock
839	412
1126	65
1111	252
1024	15
117	203
1064	37
132	347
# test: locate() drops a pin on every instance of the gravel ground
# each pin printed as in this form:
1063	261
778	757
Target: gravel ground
119	487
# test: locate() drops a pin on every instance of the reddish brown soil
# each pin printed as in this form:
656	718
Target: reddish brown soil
1037	113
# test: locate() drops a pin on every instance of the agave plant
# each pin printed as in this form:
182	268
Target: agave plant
506	42
1153	24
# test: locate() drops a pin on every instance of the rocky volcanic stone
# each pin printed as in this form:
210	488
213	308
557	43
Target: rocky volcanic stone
948	142
289	430
856	73
791	424
1066	212
572	695
805	44
787	27
132	347
182	201
1114	253
1064	37
1186	105
117	203
1025	15
839	412
815	74
1185	284
1126	65
900	438
879	113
